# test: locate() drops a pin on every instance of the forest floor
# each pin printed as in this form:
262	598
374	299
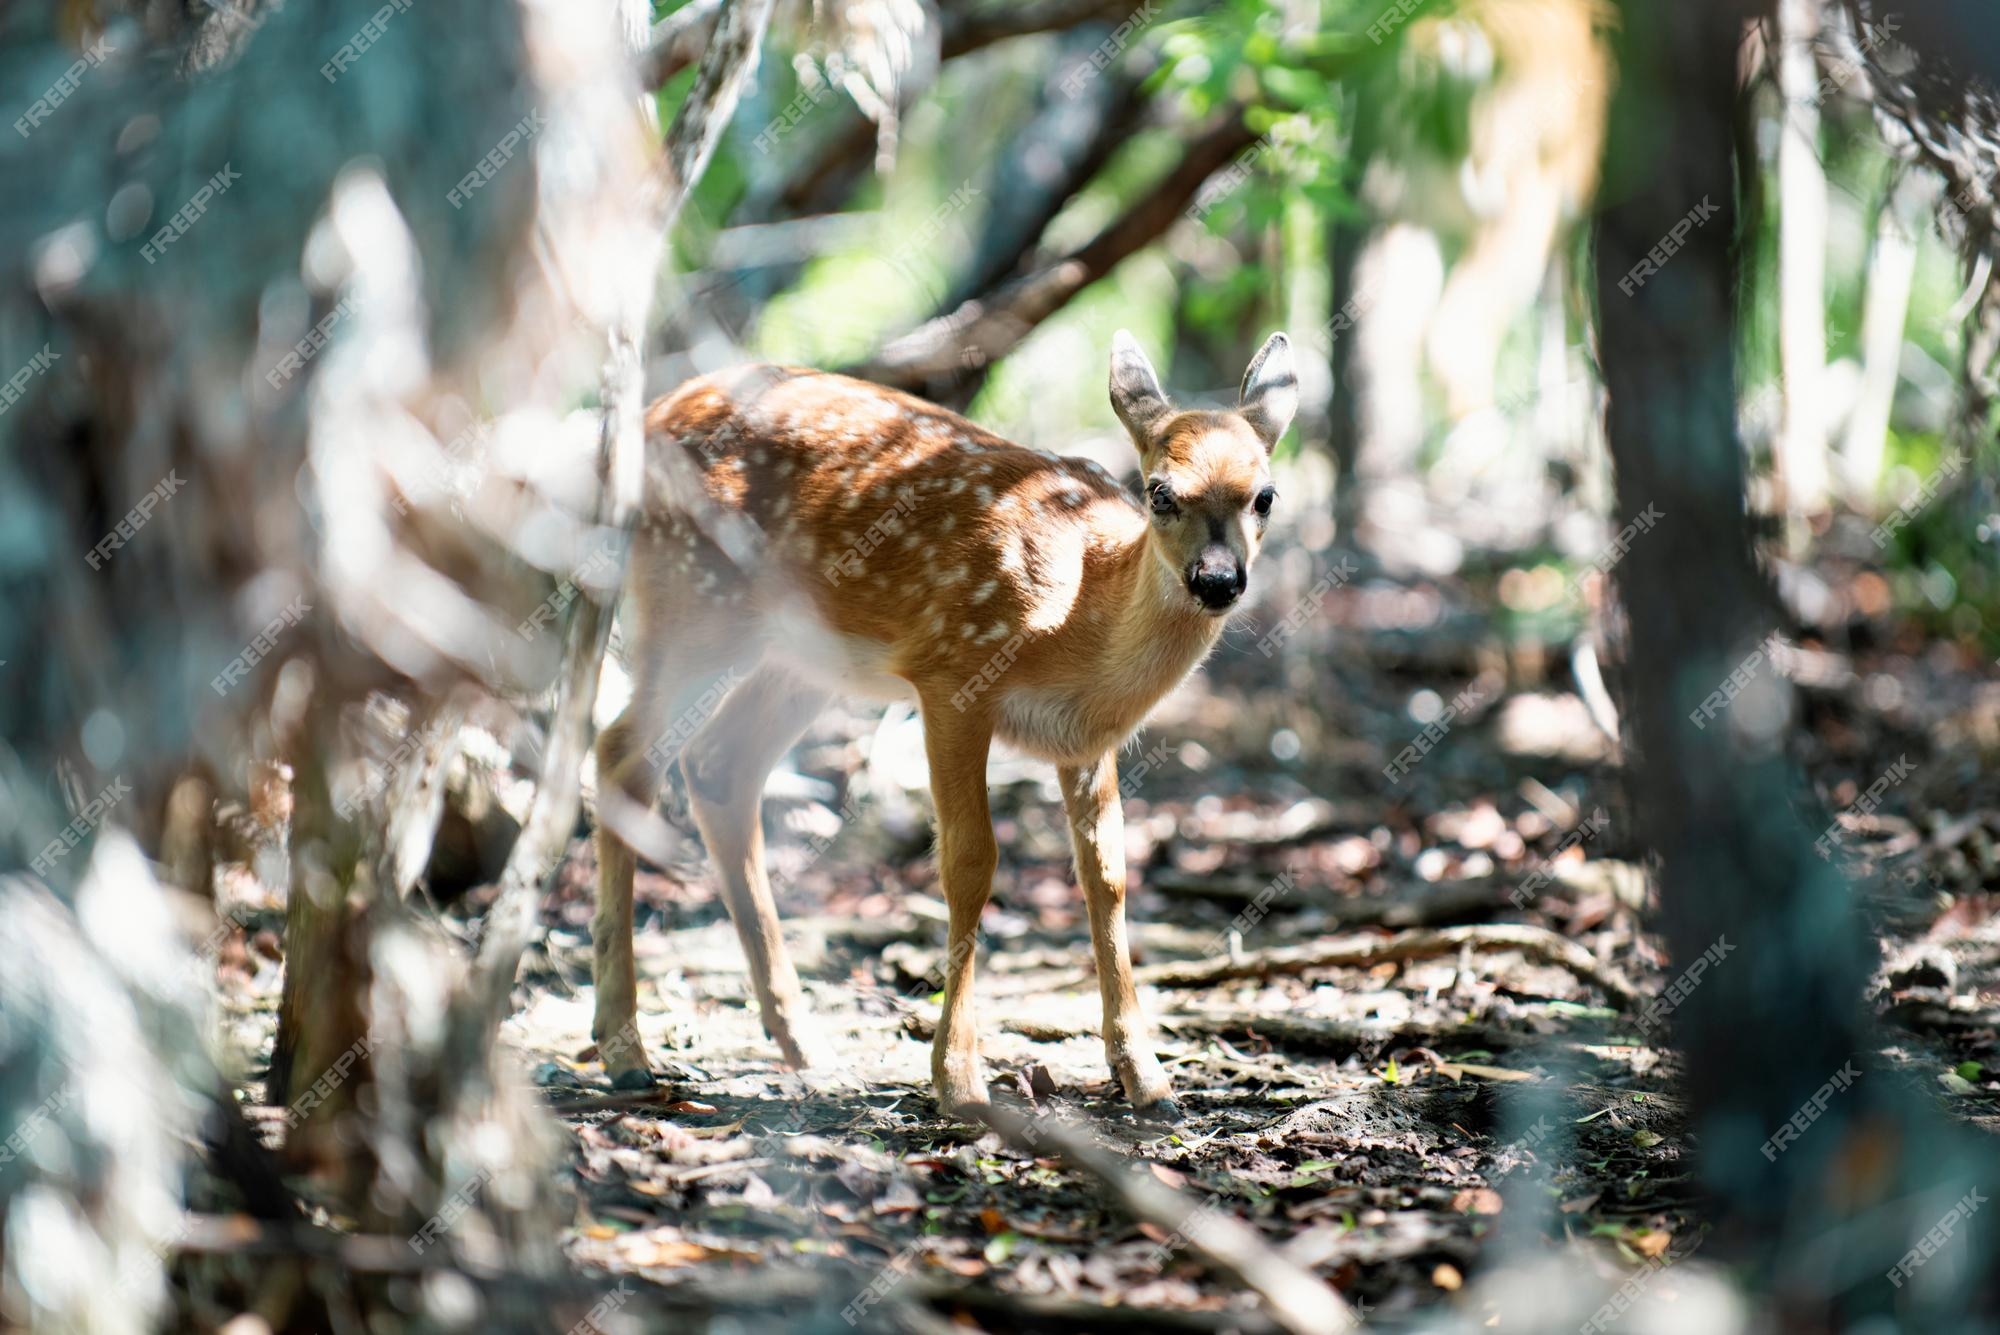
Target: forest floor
1395	1122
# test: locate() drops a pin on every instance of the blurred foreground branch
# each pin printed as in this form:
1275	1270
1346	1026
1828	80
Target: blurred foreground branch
1296	1297
730	61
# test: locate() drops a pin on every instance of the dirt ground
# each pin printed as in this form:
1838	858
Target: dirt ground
1396	1122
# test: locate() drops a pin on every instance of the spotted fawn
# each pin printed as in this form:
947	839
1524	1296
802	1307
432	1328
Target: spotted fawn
808	535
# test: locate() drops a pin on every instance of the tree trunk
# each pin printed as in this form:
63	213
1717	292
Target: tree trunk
1343	426
1774	1015
1892	270
1800	458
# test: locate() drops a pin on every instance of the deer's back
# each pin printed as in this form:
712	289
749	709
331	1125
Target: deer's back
908	536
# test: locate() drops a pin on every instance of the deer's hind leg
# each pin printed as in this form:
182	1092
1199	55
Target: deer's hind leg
683	656
726	763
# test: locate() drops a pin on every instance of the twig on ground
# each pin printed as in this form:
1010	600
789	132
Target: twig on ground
1425	943
1296	1298
1453	902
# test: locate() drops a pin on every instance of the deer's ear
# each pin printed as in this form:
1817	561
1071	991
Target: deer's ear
1270	394
1136	395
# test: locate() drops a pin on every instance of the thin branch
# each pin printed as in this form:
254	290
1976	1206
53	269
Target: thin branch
1425	943
678	41
731	59
681	38
941	357
997	23
1056	153
1297	1299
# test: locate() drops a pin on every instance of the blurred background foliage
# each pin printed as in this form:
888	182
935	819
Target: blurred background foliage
1310	80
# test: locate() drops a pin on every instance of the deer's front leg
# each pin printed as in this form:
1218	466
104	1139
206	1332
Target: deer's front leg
956	747
1097	836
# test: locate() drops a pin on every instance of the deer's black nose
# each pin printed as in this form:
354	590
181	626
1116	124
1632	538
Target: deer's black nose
1217	579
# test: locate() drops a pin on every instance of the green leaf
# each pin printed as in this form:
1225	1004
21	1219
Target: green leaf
1001	1246
1310	1171
1295	88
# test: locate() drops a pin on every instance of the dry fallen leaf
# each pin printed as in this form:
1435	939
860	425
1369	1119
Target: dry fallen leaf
965	1267
667	1252
901	1198
1168	1175
1456	1069
1477	1200
658	1248
1446	1277
715	1132
1652	1242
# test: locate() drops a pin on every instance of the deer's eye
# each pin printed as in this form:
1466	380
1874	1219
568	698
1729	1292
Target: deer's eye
1163	498
1262	505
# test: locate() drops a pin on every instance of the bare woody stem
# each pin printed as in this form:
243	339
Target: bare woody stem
731	57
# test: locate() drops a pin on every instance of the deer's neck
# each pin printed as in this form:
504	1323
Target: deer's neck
1157	634
1131	635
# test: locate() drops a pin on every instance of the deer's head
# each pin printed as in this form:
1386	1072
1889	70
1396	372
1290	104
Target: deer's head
1206	475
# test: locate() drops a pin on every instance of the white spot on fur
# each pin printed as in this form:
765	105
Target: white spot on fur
1058	577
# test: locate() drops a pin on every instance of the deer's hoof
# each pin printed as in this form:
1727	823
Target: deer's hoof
638	1078
962	1098
1144	1081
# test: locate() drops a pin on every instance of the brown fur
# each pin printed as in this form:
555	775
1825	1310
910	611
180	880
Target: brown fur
821	534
